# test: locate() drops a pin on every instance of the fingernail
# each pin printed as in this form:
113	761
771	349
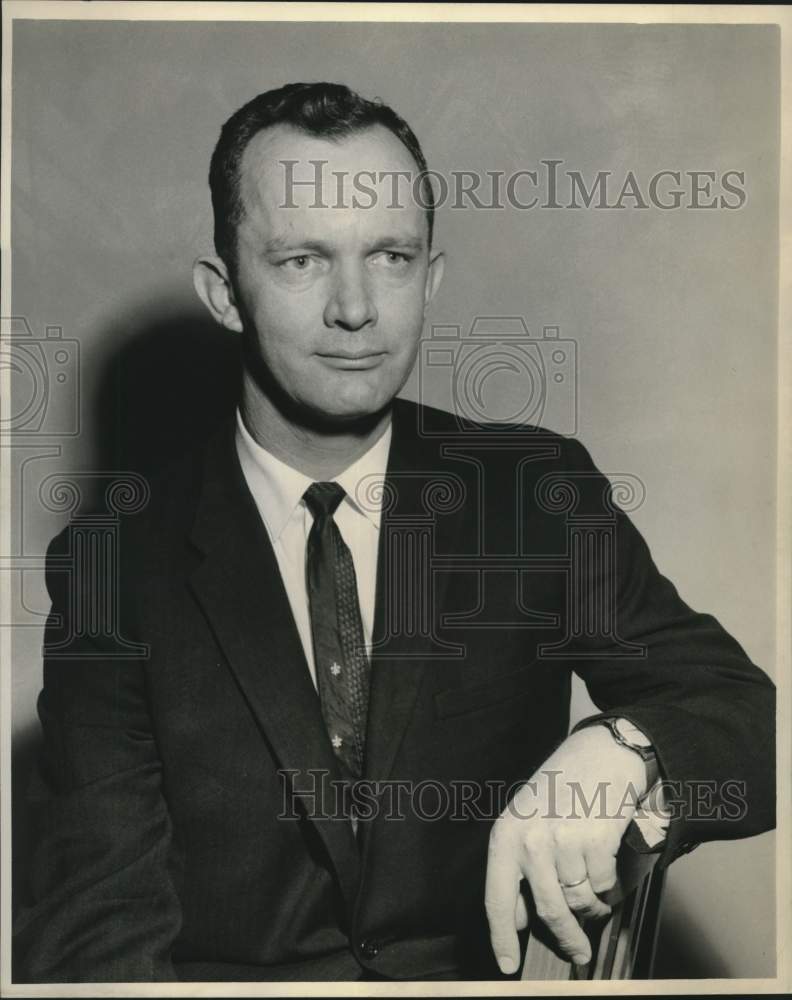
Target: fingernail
507	965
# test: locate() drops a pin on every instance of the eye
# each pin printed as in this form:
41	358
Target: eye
394	258
299	263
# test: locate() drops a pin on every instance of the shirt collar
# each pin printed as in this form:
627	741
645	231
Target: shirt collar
278	488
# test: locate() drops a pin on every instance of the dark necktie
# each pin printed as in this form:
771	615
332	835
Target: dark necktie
342	669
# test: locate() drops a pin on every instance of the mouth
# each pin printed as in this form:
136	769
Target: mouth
346	361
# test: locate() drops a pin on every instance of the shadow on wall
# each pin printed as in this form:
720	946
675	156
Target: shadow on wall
167	388
683	952
174	378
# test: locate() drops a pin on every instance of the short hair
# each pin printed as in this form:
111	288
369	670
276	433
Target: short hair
325	110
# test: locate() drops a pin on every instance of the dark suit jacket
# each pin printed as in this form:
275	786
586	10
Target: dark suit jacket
161	853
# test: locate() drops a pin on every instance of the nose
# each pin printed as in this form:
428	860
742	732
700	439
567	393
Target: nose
350	305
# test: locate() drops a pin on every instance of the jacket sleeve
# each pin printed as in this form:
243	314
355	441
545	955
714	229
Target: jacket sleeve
104	906
677	675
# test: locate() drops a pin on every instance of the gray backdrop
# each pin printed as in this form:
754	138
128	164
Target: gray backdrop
673	312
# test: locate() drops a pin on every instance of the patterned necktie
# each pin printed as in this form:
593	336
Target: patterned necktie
342	669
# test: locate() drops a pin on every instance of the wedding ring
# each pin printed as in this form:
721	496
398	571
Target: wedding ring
571	885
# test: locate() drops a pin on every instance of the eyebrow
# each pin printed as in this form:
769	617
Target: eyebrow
278	244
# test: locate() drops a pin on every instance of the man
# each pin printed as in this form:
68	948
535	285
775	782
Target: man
346	593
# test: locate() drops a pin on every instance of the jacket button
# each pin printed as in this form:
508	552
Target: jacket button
369	948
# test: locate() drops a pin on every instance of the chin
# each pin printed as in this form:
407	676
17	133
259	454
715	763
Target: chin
357	404
343	412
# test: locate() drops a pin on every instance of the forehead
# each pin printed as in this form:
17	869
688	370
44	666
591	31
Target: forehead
291	182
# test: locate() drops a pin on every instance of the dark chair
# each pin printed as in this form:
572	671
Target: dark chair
623	945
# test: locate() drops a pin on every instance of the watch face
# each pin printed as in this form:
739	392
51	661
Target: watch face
631	734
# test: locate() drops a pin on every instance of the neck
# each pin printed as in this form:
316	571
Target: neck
320	451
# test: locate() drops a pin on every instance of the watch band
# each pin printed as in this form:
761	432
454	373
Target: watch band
644	752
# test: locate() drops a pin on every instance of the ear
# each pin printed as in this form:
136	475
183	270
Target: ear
434	276
214	288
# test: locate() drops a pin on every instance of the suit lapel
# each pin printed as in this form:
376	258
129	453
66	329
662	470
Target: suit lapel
239	587
403	648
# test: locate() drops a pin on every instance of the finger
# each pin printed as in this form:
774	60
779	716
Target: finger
521	913
601	867
551	907
575	884
582	900
500	900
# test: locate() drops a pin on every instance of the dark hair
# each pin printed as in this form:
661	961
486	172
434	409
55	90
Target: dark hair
327	110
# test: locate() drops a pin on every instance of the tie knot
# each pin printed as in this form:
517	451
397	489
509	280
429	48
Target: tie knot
322	499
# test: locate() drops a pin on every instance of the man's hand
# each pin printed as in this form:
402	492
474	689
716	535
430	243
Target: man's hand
562	832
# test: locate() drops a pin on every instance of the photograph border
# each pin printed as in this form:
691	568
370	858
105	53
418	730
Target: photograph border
468	13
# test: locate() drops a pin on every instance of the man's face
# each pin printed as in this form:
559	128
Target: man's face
332	297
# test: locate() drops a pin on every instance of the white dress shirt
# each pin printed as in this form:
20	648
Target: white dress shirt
278	490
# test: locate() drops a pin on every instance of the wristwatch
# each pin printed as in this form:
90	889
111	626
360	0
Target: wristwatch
630	736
